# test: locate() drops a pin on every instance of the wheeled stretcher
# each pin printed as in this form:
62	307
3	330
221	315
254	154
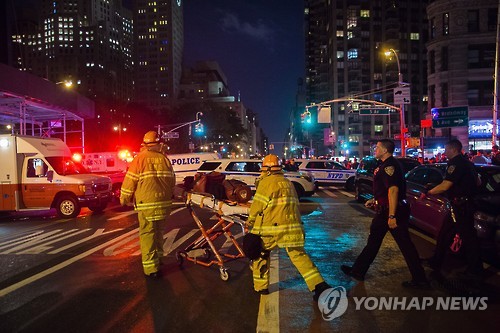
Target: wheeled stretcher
201	250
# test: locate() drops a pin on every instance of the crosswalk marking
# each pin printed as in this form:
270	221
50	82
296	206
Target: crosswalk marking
122	215
330	193
46	238
59	266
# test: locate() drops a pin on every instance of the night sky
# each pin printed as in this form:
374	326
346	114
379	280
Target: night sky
259	45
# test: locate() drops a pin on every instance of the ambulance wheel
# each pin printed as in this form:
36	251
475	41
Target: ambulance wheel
180	257
224	274
67	206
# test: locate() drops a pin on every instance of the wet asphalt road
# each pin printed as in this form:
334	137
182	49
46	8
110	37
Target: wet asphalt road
84	275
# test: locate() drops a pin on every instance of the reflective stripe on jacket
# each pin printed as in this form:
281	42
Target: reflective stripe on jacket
150	179
275	211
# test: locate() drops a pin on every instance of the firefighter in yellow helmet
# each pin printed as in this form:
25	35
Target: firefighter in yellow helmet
149	182
274	215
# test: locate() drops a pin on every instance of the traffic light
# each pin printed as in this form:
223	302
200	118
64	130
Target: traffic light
306	118
199	129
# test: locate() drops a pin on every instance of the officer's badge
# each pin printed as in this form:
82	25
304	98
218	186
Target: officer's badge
450	169
389	170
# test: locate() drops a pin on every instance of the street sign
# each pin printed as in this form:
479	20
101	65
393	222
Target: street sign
172	135
450	122
374	111
402	95
454	116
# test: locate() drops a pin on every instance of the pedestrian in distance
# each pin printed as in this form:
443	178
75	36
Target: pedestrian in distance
274	215
495	155
479	158
392	214
149	184
460	183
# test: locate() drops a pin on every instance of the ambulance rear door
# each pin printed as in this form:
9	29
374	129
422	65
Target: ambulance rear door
9	183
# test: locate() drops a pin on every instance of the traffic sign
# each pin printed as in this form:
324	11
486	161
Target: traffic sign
454	116
402	95
450	122
374	111
172	135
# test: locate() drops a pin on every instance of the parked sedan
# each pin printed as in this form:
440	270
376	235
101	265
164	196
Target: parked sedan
364	175
430	213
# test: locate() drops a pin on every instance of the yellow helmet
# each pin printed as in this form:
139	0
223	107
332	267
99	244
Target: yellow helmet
151	137
271	163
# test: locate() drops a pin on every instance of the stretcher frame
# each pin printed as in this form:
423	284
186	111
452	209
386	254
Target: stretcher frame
228	215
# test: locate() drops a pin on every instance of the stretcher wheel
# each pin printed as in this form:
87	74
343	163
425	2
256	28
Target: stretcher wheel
224	274
180	257
208	253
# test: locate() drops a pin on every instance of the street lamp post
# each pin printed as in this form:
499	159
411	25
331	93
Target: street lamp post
401	106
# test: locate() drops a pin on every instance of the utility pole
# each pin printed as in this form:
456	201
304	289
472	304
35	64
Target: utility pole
495	90
401	106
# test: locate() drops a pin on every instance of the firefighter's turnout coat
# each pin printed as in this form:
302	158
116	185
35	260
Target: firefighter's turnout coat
275	211
149	183
274	215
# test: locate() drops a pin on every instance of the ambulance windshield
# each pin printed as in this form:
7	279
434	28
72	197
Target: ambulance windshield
65	166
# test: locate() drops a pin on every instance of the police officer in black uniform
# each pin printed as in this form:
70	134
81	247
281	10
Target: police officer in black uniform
460	183
392	214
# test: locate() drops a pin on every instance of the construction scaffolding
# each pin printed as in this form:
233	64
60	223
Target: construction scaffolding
37	107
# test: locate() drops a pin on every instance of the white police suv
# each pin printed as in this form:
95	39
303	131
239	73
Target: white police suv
327	172
248	170
186	165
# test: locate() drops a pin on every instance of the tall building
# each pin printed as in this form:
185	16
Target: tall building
86	42
345	44
461	53
159	43
206	81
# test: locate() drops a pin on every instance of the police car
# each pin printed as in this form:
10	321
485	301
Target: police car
248	170
186	165
327	172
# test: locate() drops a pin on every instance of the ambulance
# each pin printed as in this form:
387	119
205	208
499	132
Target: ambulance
115	165
39	173
111	164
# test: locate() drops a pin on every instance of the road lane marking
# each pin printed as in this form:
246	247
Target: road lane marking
268	320
421	235
330	193
97	233
347	194
43	237
61	265
122	215
43	247
20	240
